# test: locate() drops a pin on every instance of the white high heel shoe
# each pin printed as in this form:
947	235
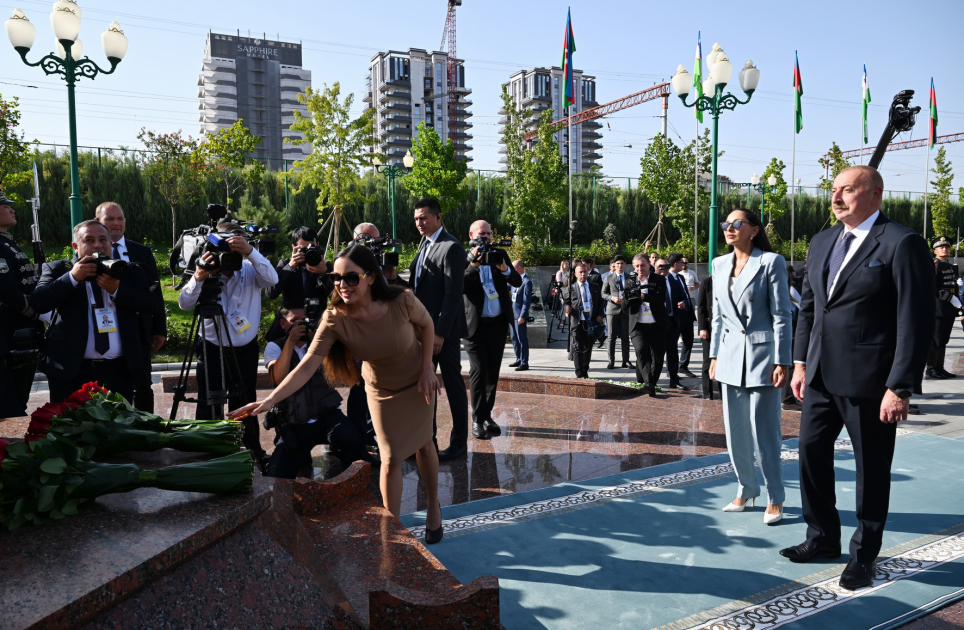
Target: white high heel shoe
733	507
770	519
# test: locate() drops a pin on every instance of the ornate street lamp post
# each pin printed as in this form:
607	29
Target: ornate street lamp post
67	62
714	101
391	171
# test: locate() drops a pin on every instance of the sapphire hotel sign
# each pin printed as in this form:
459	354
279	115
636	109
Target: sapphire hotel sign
234	47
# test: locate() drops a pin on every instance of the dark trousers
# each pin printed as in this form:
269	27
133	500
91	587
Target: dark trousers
618	325
686	335
648	341
143	391
824	415
113	374
942	335
671	338
297	440
580	346
485	349
708	384
520	341
449	363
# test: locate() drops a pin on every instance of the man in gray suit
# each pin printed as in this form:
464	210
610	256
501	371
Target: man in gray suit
617	314
521	301
437	276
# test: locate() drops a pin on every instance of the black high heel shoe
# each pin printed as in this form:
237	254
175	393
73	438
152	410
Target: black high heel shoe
433	536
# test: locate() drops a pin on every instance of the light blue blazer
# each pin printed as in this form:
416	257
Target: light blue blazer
752	329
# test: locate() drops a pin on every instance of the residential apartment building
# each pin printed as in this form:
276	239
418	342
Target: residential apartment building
540	89
408	88
257	81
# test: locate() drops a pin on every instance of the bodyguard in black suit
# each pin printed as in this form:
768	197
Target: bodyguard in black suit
704	322
685	312
863	335
649	322
617	313
488	314
95	333
153	328
438	278
584	305
679	319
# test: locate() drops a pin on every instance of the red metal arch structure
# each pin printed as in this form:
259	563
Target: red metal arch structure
649	94
896	146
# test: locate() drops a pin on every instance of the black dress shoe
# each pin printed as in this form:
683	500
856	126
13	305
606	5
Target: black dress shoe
679	387
479	432
433	536
628	365
651	391
515	364
934	374
687	373
451	452
810	550
491	428
947	374
611	366
858	575
522	368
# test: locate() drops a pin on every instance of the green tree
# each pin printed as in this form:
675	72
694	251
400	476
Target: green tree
682	213
833	162
661	178
775	197
14	150
173	168
262	212
226	154
339	150
940	199
437	172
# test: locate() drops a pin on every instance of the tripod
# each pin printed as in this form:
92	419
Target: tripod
554	306
209	309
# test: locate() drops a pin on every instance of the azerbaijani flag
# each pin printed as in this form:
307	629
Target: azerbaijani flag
797	93
568	47
698	76
933	125
866	101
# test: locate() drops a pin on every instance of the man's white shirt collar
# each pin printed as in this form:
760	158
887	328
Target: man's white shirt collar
861	230
434	237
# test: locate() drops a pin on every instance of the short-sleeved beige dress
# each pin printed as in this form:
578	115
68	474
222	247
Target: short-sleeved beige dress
392	356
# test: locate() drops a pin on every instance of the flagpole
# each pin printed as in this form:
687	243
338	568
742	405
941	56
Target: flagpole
570	162
927	167
696	196
793	196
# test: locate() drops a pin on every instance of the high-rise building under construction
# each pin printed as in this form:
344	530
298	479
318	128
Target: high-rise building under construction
257	81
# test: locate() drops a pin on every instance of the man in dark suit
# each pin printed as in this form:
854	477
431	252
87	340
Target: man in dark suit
438	276
488	314
686	310
704	319
584	306
594	276
677	300
518	331
617	315
81	347
649	321
863	334
153	327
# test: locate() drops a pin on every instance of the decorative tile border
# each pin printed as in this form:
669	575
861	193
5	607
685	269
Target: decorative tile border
580	500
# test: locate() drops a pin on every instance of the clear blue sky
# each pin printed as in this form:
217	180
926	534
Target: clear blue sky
627	45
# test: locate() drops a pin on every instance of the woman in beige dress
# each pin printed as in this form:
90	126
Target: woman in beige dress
389	330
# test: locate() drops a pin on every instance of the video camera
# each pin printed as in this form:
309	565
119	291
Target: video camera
29	343
107	266
378	247
488	253
634	289
313	312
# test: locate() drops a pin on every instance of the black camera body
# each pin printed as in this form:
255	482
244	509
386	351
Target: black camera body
194	243
635	289
28	344
107	266
378	247
313	312
313	254
489	254
222	258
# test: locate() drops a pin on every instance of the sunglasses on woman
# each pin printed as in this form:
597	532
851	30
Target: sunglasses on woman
351	279
736	224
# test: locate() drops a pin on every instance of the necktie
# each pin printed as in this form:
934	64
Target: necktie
585	299
619	283
101	339
837	257
116	255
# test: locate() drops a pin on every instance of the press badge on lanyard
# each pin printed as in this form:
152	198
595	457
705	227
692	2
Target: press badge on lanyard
104	318
489	287
238	321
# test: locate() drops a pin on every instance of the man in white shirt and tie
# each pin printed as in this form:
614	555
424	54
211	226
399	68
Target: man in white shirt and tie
584	306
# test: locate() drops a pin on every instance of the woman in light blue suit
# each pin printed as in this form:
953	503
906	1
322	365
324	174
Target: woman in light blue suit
750	354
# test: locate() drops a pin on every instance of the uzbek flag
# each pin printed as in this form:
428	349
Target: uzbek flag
866	101
698	77
797	93
568	47
933	125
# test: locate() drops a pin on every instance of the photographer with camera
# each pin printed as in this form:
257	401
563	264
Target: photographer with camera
238	292
21	334
488	314
310	416
304	275
584	307
95	333
367	234
646	302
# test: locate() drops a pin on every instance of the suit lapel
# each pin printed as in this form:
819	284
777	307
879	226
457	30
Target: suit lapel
750	270
726	272
866	249
818	272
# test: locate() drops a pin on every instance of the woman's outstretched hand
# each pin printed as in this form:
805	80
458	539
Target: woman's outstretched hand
428	385
251	409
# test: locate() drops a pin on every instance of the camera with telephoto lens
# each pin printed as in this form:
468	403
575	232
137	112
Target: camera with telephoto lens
107	266
29	343
313	312
378	247
634	289
313	254
489	254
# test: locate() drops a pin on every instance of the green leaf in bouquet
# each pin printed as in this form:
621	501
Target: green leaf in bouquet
71	507
98	413
89	451
44	478
53	465
16	522
18	505
56	514
46	498
90	437
17	448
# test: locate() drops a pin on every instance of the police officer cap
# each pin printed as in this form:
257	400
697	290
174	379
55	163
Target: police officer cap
941	241
4	200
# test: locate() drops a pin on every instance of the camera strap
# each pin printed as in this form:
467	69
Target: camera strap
105	317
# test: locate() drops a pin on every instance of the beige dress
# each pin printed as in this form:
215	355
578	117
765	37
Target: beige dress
392	356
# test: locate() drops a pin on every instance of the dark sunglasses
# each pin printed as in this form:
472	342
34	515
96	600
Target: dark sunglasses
736	224
662	266
350	279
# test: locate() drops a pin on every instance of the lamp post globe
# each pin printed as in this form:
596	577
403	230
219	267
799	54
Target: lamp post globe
20	31
772	180
408	160
754	179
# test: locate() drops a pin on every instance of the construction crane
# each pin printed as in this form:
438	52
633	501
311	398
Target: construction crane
649	94
448	45
910	144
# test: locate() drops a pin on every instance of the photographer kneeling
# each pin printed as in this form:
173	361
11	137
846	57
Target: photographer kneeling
312	415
